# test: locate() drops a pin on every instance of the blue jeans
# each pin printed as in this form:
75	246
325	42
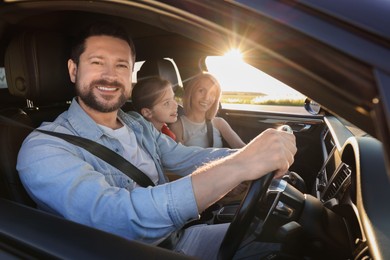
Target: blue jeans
203	242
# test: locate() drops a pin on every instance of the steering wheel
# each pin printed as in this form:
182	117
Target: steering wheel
244	216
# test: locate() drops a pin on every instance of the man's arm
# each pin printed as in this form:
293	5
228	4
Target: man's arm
68	181
272	150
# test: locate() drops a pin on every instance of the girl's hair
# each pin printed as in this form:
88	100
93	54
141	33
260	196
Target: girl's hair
193	85
148	92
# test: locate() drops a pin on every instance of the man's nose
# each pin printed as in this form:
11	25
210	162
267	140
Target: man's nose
109	72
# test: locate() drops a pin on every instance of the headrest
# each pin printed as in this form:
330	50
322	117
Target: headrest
36	67
161	67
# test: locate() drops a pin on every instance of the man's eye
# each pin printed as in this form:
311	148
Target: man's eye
95	62
124	66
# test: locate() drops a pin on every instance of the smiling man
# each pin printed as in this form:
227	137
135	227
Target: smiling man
68	181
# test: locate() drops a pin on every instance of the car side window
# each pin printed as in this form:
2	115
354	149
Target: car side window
245	87
3	81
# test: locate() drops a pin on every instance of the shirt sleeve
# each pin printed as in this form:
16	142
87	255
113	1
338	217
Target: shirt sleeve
69	182
183	160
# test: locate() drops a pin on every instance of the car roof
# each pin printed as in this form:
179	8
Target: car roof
371	15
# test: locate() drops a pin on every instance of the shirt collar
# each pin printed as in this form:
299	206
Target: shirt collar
82	122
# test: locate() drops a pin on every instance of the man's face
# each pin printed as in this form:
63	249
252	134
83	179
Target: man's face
103	75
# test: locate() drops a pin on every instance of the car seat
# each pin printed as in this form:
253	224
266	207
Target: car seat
36	70
165	69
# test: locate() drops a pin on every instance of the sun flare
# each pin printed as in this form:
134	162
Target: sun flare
235	75
233	54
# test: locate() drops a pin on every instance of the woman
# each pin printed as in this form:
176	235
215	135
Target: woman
199	125
155	100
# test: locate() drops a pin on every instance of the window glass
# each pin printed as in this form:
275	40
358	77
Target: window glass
3	82
245	87
137	66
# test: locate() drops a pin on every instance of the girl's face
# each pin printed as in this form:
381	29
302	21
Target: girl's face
165	110
204	96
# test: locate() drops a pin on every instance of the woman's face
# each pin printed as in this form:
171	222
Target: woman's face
204	96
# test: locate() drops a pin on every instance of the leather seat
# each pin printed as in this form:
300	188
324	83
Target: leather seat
36	70
165	69
12	134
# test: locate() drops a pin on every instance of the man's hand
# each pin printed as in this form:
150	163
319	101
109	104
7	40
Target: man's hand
271	151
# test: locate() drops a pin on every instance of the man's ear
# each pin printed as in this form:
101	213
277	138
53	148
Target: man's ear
72	69
146	112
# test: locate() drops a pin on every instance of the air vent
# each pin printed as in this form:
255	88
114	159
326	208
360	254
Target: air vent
338	183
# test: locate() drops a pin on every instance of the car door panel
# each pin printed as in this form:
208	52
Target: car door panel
308	131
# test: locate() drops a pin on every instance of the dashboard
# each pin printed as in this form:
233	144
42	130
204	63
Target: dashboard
336	182
334	178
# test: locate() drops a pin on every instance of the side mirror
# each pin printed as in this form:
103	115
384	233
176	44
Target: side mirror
312	107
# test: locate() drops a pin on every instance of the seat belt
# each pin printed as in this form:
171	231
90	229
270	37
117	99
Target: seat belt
94	148
210	135
106	155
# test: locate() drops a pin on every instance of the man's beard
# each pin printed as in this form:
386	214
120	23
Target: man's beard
91	100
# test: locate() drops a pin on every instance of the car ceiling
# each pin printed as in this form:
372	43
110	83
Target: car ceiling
342	83
360	15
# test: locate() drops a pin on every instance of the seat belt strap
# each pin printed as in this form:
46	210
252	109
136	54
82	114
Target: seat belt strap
106	155
210	135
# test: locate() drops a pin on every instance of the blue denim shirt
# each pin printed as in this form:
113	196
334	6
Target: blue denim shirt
68	181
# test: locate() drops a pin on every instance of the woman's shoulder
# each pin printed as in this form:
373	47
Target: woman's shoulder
218	121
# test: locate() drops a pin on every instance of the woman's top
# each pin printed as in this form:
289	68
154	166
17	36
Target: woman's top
195	134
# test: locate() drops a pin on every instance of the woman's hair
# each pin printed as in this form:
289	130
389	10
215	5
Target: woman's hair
148	92
193	85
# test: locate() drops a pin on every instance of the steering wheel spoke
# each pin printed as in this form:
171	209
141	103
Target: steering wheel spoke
244	216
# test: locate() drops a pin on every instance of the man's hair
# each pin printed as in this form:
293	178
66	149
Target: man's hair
193	85
148	92
99	29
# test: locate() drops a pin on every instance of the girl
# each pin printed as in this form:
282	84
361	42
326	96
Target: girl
199	125
155	100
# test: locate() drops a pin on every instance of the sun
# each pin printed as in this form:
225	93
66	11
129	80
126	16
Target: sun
233	54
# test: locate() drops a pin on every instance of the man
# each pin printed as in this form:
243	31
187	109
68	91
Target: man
68	181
